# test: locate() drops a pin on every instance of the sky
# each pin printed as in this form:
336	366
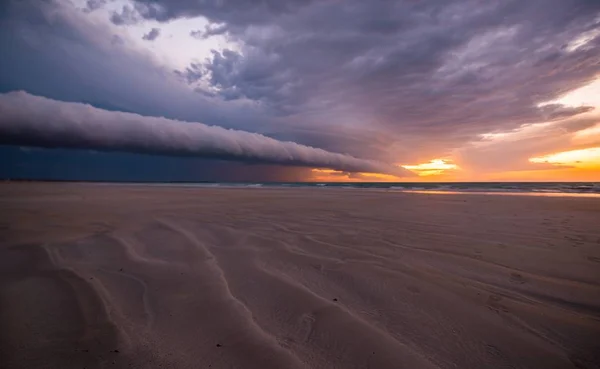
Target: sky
300	90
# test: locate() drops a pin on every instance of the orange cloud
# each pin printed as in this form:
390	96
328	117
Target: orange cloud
550	175
434	170
330	175
588	159
570	166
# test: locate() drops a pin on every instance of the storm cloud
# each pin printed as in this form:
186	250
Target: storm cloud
37	121
445	70
387	81
152	35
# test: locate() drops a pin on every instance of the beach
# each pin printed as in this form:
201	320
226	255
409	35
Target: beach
134	276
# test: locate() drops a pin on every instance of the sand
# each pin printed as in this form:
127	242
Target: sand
128	276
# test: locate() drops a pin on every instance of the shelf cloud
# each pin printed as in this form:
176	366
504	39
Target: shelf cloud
30	120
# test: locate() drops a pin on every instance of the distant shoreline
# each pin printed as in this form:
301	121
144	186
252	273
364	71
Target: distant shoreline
549	189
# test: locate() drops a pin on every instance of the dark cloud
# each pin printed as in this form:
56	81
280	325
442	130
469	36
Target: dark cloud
110	75
209	30
397	81
197	34
92	5
558	111
152	35
85	165
86	62
29	120
447	70
192	74
241	11
127	16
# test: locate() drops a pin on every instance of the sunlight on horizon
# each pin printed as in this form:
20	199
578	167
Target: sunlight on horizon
433	167
585	158
332	175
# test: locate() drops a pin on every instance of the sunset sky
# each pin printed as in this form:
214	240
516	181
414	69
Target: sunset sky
306	90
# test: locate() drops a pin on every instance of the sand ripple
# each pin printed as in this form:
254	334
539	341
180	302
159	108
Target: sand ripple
136	277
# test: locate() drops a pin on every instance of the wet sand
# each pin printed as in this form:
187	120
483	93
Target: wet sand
114	276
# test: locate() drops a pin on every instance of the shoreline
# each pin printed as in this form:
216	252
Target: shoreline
336	186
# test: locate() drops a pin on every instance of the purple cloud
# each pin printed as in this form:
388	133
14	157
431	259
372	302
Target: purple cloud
152	35
30	120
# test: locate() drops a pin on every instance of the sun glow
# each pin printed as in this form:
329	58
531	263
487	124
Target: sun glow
584	159
432	170
434	167
330	175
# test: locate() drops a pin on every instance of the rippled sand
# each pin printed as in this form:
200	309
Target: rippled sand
109	276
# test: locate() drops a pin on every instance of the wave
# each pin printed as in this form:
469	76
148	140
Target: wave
466	187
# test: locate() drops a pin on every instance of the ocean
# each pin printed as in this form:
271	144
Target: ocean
572	188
